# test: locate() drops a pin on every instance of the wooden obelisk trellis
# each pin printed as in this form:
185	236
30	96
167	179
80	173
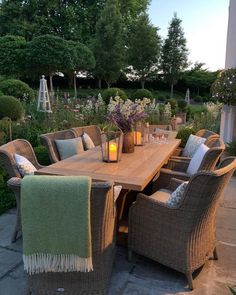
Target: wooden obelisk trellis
44	104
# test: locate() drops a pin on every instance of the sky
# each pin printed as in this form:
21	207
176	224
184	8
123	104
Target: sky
205	25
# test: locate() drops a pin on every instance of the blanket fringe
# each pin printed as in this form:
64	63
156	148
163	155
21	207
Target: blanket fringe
41	262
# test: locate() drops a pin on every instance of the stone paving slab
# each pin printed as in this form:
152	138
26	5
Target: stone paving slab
9	260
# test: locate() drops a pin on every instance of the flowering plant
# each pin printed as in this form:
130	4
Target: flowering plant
125	113
224	88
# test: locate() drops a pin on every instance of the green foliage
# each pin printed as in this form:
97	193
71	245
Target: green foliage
11	55
47	54
7	198
141	93
108	44
182	105
1	93
199	78
42	156
10	107
184	134
112	92
173	103
231	148
198	99
161	98
144	47
174	57
224	88
232	290
18	89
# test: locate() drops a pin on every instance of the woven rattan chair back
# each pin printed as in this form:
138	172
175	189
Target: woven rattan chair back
103	249
48	140
207	133
93	131
213	155
17	146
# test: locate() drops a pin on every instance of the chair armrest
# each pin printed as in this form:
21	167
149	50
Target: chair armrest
163	181
178	164
14	184
180	158
174	183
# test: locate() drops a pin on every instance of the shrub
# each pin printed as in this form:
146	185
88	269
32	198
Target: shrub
231	148
182	105
184	134
10	107
198	98
42	155
1	93
18	89
167	96
173	103
161	98
112	92
7	198
141	93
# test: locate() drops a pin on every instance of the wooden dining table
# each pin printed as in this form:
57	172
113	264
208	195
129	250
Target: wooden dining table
133	172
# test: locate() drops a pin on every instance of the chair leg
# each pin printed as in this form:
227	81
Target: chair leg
215	254
190	280
130	254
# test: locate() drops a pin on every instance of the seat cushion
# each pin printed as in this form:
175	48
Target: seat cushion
176	197
87	142
24	166
161	195
197	159
69	147
192	145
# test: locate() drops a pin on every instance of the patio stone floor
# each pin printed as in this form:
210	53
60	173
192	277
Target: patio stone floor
142	276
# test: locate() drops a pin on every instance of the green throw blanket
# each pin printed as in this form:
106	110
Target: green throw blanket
56	224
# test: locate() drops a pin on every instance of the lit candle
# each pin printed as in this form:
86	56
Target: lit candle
112	151
137	138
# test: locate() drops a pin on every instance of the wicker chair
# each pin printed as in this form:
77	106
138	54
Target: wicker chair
49	139
201	133
182	237
103	249
177	167
7	151
93	131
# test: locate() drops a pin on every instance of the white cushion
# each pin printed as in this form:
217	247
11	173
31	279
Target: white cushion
87	141
197	159
69	147
192	145
24	166
176	197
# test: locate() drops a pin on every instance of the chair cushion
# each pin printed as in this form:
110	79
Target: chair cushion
161	195
176	197
69	147
197	159
87	142
192	145
24	166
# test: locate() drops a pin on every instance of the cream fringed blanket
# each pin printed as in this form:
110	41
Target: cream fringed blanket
56	224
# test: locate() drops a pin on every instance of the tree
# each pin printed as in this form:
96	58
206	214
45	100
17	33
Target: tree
83	59
144	48
174	57
69	19
11	55
108	44
48	54
199	78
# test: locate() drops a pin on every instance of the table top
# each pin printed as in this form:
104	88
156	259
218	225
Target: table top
134	171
